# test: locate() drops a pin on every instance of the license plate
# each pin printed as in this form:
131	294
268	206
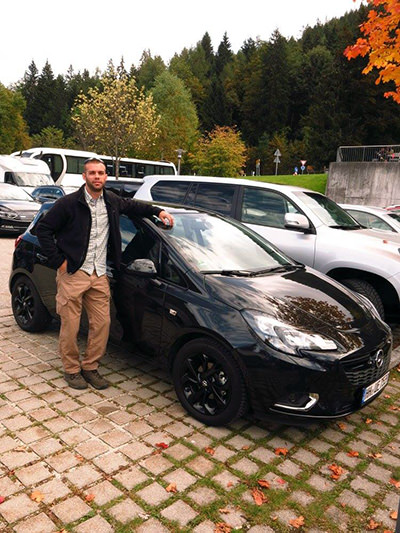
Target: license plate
374	388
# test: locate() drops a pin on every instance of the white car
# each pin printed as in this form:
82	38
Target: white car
306	225
376	218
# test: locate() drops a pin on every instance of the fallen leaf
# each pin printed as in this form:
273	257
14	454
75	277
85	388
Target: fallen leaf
353	453
342	426
246	447
229	484
280	481
171	488
373	525
78	457
281	451
224	510
20	449
297	522
2	499
209	450
156	452
37	496
368	421
258	496
386	396
336	470
394	408
263	483
222	527
395	482
162	445
393	515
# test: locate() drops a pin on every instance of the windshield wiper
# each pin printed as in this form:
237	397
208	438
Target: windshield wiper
356	226
252	273
244	273
280	268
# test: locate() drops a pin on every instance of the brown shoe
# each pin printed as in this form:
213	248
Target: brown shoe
75	381
95	379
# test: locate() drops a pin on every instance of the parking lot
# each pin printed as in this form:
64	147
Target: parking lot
130	459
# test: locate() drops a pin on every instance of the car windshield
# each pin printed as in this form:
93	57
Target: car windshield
212	244
32	179
327	210
15	193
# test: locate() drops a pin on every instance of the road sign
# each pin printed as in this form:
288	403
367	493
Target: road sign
277	153
303	162
277	160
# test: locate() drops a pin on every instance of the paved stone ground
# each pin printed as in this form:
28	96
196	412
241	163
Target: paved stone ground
130	459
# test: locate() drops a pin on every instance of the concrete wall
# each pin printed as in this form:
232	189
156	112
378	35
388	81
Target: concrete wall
375	184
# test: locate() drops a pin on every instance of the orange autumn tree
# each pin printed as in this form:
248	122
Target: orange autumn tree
381	42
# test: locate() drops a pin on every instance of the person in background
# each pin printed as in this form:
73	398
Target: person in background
77	235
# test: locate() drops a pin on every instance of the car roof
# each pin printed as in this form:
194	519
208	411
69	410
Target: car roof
231	181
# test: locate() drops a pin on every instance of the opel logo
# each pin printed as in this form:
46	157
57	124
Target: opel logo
378	358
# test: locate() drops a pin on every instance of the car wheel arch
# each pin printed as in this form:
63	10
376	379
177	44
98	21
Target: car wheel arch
186	338
382	286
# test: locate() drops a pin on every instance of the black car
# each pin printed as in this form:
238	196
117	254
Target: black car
238	324
126	188
44	193
17	208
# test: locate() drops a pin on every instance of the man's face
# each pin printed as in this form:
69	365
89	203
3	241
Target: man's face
95	176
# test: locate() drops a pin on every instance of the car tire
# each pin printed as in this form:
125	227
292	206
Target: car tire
367	290
28	309
215	395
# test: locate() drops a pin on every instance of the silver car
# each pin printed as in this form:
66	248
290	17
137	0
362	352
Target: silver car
376	218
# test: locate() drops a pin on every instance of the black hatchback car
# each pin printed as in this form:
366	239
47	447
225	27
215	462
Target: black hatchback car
238	324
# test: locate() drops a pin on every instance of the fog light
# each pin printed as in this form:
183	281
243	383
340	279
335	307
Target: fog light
302	403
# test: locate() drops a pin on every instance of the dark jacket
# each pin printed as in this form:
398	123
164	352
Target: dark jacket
64	231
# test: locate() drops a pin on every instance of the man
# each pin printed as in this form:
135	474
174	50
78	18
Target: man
76	235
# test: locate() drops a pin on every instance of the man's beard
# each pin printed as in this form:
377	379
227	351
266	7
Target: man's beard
92	188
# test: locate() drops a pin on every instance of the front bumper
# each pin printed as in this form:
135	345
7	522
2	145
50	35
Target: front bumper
317	386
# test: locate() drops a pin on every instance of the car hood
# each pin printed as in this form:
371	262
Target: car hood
302	298
21	205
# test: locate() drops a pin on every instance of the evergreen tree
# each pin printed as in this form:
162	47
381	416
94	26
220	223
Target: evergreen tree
149	68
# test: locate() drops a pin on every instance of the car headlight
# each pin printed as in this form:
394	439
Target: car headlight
285	337
5	212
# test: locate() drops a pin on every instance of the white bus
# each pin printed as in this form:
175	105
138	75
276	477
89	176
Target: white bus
66	166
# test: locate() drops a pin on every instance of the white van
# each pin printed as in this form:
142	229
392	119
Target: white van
306	225
26	173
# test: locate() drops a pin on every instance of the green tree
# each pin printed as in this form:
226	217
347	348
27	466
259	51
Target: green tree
149	68
220	153
178	117
52	137
13	129
117	119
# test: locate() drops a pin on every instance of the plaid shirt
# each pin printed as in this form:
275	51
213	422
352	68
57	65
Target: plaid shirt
96	255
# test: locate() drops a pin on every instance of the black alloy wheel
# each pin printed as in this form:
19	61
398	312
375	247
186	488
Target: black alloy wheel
209	382
28	309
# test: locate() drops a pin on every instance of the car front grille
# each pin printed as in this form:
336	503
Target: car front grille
362	370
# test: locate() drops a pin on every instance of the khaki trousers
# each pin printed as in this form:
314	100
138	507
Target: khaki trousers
75	291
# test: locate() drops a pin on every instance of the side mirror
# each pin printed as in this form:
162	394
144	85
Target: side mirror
296	221
142	267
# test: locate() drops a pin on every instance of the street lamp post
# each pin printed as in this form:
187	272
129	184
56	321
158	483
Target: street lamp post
179	151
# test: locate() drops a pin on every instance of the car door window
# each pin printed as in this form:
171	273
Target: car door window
170	191
265	208
214	196
138	243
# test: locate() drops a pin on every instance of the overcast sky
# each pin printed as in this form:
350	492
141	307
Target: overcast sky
87	33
